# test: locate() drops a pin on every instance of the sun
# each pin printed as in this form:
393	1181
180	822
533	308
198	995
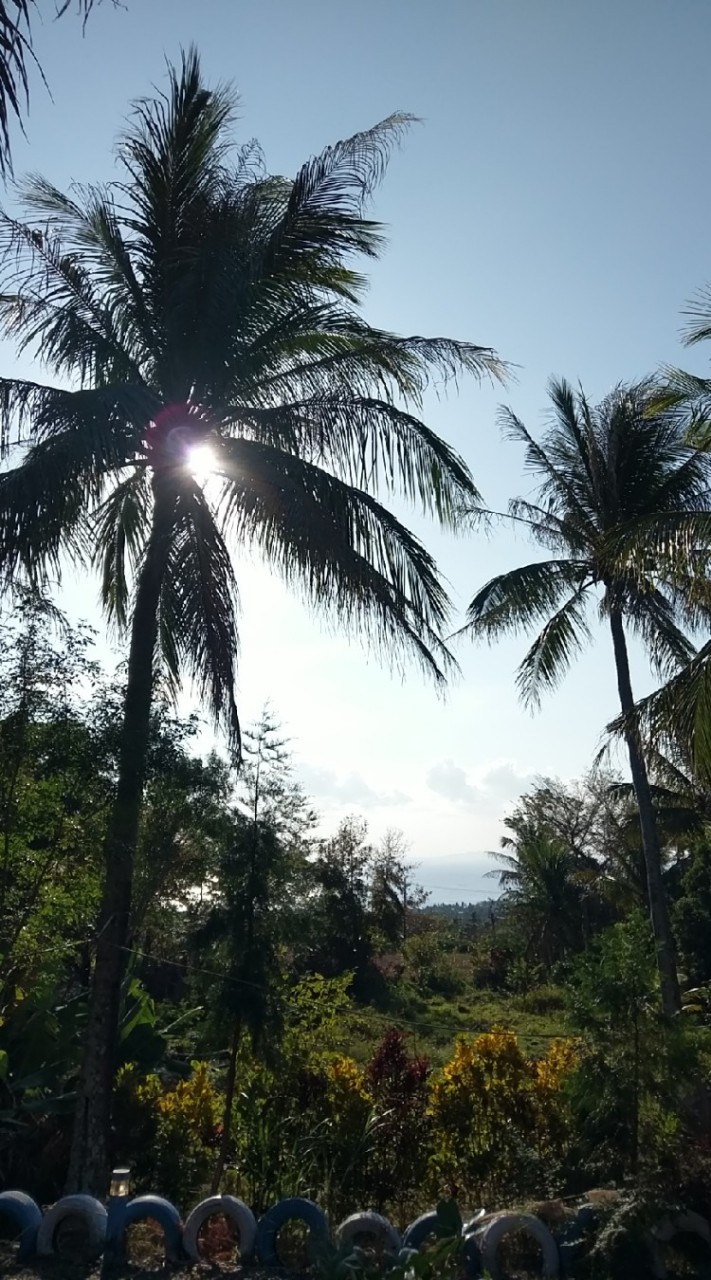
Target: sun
201	462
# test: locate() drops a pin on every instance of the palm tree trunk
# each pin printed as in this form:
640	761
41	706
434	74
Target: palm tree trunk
88	1165
658	906
227	1117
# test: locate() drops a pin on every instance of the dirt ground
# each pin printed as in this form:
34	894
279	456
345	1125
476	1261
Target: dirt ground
58	1269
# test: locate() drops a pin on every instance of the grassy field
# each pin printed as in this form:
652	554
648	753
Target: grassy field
433	1023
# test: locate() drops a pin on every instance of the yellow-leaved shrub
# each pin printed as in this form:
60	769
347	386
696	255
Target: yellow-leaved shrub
495	1111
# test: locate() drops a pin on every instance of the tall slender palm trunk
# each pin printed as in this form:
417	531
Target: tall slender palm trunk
658	906
90	1153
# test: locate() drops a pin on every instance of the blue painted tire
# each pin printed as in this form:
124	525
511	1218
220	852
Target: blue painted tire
571	1236
420	1230
79	1206
239	1214
143	1209
369	1224
295	1208
24	1214
471	1257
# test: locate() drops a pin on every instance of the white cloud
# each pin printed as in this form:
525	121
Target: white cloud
326	786
494	785
448	780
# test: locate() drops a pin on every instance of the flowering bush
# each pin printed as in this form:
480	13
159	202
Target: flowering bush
391	1134
494	1113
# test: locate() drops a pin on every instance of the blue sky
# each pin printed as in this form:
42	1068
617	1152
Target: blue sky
554	204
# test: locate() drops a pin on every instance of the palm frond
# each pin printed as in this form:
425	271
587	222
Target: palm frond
323	216
174	152
51	306
545	527
81	439
20	403
556	484
347	554
679	713
88	226
564	635
198	609
15	51
653	617
42	512
16	57
698	317
365	360
121	529
518	600
372	444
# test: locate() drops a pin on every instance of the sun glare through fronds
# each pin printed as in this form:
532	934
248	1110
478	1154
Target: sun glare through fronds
201	462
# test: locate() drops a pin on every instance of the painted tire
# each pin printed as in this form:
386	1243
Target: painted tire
426	1225
471	1256
571	1237
503	1225
405	1255
239	1214
294	1208
419	1230
474	1224
690	1223
143	1209
91	1211
369	1224
25	1214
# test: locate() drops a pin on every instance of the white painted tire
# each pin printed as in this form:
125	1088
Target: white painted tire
506	1223
369	1224
239	1214
92	1213
690	1223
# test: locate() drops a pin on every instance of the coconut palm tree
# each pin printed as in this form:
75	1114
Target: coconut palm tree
543	881
603	471
200	304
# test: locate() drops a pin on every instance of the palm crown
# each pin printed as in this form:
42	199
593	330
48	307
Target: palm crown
604	472
200	298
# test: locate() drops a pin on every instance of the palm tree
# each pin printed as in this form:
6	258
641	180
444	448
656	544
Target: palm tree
543	881
200	303
679	714
603	471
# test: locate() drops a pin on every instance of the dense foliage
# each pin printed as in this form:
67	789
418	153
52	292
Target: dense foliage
293	1019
